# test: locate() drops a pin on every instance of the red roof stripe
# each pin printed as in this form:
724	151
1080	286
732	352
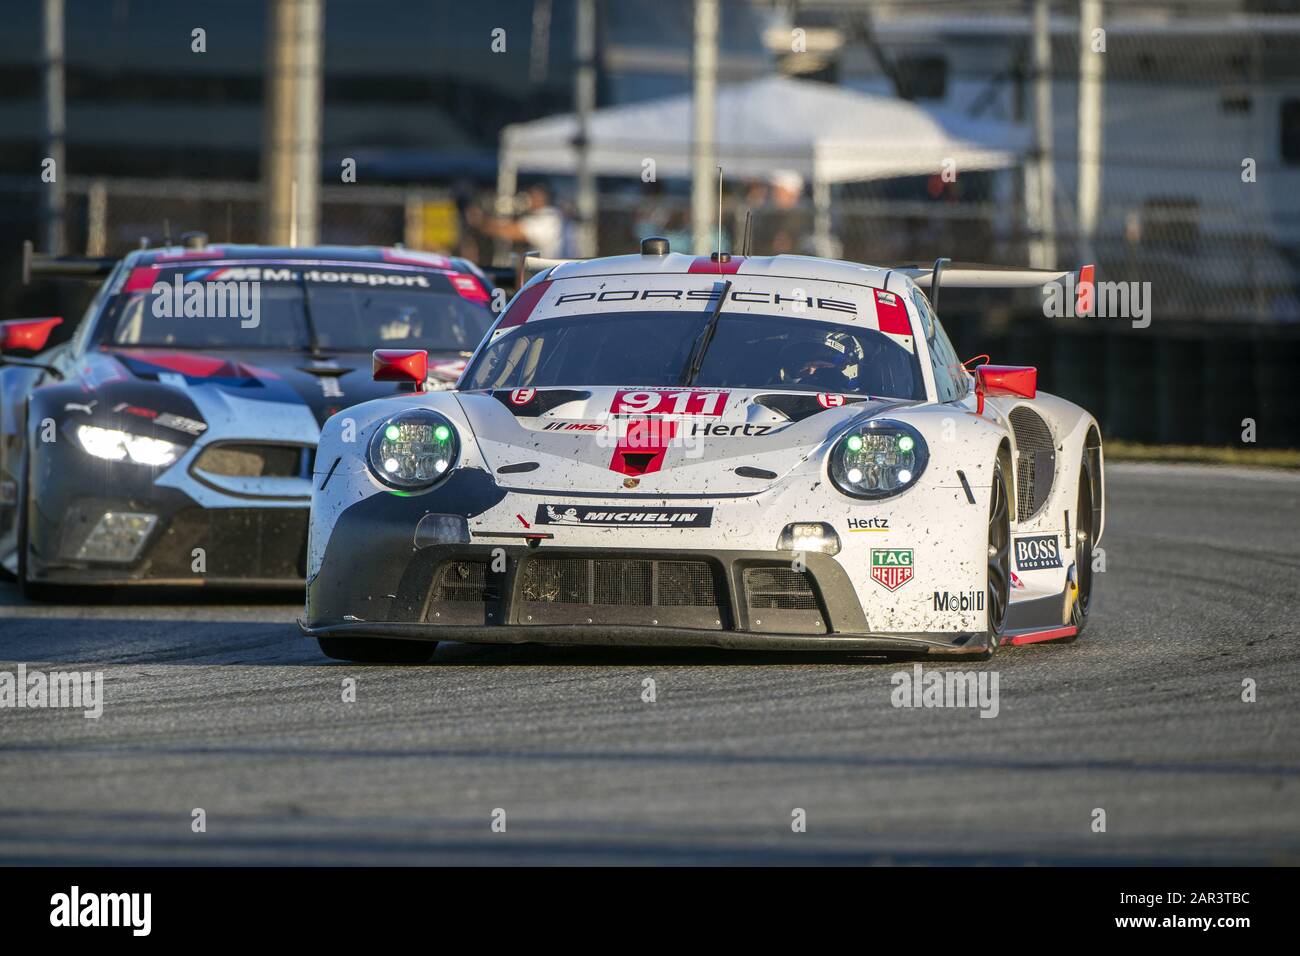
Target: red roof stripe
524	304
891	313
704	264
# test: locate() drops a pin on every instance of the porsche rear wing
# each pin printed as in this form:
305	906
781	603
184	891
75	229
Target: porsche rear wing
942	274
42	265
946	274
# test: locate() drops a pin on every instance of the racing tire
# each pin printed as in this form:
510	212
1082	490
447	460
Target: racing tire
377	650
999	560
1083	538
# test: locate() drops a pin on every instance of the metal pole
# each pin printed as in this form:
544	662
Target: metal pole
97	218
704	126
52	238
1042	192
507	185
584	96
307	110
1090	105
291	143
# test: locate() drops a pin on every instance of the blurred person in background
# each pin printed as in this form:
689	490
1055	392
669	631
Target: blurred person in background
541	226
659	214
783	226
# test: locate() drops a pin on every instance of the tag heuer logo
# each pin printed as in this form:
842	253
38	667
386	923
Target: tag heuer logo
891	567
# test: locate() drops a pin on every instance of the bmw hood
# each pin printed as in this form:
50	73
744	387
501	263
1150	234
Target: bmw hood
225	385
608	440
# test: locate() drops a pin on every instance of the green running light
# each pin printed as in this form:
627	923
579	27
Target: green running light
905	443
442	433
392	433
854	443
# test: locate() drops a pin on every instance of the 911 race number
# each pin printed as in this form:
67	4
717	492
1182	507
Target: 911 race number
669	403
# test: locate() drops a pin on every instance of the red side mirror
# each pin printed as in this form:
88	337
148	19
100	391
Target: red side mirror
1086	291
1020	381
402	365
27	335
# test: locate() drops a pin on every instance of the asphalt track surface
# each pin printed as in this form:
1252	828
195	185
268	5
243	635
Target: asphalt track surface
222	706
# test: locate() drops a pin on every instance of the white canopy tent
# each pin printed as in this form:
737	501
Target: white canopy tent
826	133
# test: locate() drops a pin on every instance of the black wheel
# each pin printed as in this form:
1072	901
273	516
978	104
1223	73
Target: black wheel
376	650
1083	538
999	575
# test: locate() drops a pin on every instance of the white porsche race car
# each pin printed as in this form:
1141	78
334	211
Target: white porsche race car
660	449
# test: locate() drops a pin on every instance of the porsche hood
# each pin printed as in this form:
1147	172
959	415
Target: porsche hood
604	440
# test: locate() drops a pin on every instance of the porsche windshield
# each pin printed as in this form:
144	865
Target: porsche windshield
653	349
353	310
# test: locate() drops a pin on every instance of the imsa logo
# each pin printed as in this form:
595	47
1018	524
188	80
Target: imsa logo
891	567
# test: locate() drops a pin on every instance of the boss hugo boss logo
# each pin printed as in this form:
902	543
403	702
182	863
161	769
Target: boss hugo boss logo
953	601
624	517
1038	552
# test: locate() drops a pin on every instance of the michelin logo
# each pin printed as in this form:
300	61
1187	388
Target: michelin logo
624	517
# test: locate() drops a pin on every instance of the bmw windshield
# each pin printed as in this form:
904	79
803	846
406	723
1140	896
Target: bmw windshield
335	307
653	349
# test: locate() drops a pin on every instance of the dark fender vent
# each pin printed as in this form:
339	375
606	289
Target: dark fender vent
1036	463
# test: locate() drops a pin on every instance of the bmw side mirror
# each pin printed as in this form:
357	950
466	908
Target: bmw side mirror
26	335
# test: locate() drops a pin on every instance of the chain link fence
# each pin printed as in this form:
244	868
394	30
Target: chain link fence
110	216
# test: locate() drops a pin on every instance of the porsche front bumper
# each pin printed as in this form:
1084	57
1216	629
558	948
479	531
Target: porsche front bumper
506	592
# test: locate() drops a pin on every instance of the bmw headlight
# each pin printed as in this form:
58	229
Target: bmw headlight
116	445
877	459
414	449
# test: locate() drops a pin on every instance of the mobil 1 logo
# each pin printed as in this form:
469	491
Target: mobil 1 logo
1035	552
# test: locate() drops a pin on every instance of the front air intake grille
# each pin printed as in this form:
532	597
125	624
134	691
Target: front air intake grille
1036	461
685	584
255	460
461	582
623	582
557	581
781	588
618	582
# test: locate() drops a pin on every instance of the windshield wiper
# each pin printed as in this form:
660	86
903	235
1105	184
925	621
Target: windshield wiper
706	336
313	339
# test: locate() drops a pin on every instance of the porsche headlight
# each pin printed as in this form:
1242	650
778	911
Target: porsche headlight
878	459
116	445
414	450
